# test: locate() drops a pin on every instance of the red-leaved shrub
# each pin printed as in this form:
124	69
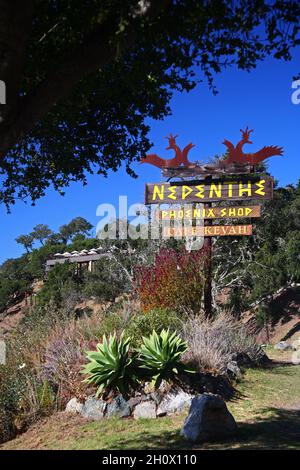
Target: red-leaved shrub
174	281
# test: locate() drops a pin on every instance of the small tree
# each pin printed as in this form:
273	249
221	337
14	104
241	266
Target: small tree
41	232
80	226
77	226
26	241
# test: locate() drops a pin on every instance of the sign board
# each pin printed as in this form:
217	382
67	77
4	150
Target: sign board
188	213
227	179
203	191
208	231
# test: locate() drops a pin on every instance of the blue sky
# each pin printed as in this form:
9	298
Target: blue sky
260	99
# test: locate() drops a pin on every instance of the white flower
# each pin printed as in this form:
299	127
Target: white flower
21	366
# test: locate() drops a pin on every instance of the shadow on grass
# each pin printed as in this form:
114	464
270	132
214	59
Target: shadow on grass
275	363
280	431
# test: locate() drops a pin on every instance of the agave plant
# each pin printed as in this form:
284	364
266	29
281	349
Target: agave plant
111	366
160	355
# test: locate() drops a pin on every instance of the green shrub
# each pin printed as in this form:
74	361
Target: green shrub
111	367
10	390
113	321
160	356
158	319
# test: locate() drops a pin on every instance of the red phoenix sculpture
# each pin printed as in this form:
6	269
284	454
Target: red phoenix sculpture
180	158
236	154
235	157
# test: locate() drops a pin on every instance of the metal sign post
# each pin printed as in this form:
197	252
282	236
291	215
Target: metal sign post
208	269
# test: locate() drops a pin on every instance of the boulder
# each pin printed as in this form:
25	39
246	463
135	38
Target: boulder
93	409
74	406
208	419
174	402
283	346
118	407
147	409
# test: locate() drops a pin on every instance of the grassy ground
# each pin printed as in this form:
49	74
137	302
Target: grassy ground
266	408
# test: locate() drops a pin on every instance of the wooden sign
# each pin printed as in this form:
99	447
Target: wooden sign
208	231
194	213
203	191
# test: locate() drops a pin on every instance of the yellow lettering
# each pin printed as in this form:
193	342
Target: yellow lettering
261	188
186	191
223	212
248	211
230	188
172	190
158	192
200	192
211	213
246	190
215	189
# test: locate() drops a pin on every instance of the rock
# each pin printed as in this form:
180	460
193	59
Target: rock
132	402
118	407
208	419
243	360
233	369
147	409
93	409
74	406
263	359
283	346
156	397
164	388
174	402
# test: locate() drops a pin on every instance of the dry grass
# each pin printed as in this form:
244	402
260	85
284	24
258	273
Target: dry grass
212	342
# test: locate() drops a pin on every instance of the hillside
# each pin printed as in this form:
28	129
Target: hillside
140	291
